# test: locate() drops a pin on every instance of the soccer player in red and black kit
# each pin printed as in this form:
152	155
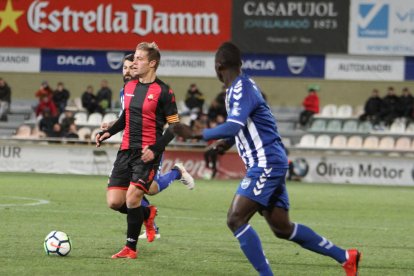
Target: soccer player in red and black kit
148	105
116	193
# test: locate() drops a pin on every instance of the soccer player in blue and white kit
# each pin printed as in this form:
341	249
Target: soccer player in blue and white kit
252	127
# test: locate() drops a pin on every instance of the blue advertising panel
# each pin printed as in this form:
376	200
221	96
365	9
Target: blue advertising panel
409	68
81	61
284	66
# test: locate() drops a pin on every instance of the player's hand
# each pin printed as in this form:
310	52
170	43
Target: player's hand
182	130
105	126
220	146
100	137
147	154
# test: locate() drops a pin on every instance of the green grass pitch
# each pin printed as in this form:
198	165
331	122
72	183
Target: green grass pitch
194	236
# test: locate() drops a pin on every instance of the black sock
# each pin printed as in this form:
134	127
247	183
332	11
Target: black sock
135	219
123	209
146	212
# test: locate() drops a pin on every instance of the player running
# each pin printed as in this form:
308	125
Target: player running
252	127
116	195
148	105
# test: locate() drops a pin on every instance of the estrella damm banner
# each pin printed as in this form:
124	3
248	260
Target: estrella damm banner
105	24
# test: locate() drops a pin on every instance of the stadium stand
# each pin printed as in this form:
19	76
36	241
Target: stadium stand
371	142
403	144
386	143
94	119
344	111
354	142
334	126
109	117
323	141
83	133
81	118
318	125
23	131
307	140
339	141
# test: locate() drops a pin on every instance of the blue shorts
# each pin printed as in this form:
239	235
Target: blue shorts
267	186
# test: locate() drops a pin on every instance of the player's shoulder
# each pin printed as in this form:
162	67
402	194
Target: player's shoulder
162	84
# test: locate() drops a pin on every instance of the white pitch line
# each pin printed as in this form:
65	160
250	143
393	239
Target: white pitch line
37	201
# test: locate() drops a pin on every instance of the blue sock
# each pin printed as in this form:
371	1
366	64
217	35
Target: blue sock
165	180
307	238
145	202
252	247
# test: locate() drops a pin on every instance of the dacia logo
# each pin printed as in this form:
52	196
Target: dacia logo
372	20
259	64
296	64
76	60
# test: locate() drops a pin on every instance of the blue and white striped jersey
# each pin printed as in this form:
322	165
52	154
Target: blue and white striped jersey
121	98
258	141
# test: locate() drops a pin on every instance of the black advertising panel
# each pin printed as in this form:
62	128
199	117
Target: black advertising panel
291	26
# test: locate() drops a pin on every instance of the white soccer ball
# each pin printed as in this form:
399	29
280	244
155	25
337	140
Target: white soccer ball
57	243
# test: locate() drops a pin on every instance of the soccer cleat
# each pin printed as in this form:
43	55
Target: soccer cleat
126	252
149	224
186	178
143	236
351	265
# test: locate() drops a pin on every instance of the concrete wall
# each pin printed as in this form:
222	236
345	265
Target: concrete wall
280	91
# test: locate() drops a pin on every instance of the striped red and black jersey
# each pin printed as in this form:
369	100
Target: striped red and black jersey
147	108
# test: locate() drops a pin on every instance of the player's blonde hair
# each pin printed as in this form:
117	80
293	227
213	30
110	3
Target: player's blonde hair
153	51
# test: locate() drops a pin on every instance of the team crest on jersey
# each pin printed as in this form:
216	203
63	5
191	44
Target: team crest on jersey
150	97
245	183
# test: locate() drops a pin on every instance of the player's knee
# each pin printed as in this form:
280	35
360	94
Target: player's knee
283	231
235	221
115	205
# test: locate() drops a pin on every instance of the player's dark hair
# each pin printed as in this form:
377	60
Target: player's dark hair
229	56
129	57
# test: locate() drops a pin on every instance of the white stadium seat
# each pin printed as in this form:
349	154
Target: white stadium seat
95	119
81	118
344	111
371	142
323	141
386	143
339	141
307	140
354	142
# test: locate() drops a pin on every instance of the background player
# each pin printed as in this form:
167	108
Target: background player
251	125
148	105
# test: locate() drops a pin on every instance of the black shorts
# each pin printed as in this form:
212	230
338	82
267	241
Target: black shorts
129	169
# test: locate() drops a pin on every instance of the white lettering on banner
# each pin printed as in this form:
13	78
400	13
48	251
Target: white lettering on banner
259	64
181	23
291	8
75	60
105	20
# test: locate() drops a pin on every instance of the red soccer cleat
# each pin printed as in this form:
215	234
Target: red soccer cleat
351	265
149	224
126	252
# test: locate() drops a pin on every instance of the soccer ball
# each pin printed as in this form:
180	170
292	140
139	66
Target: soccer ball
57	243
